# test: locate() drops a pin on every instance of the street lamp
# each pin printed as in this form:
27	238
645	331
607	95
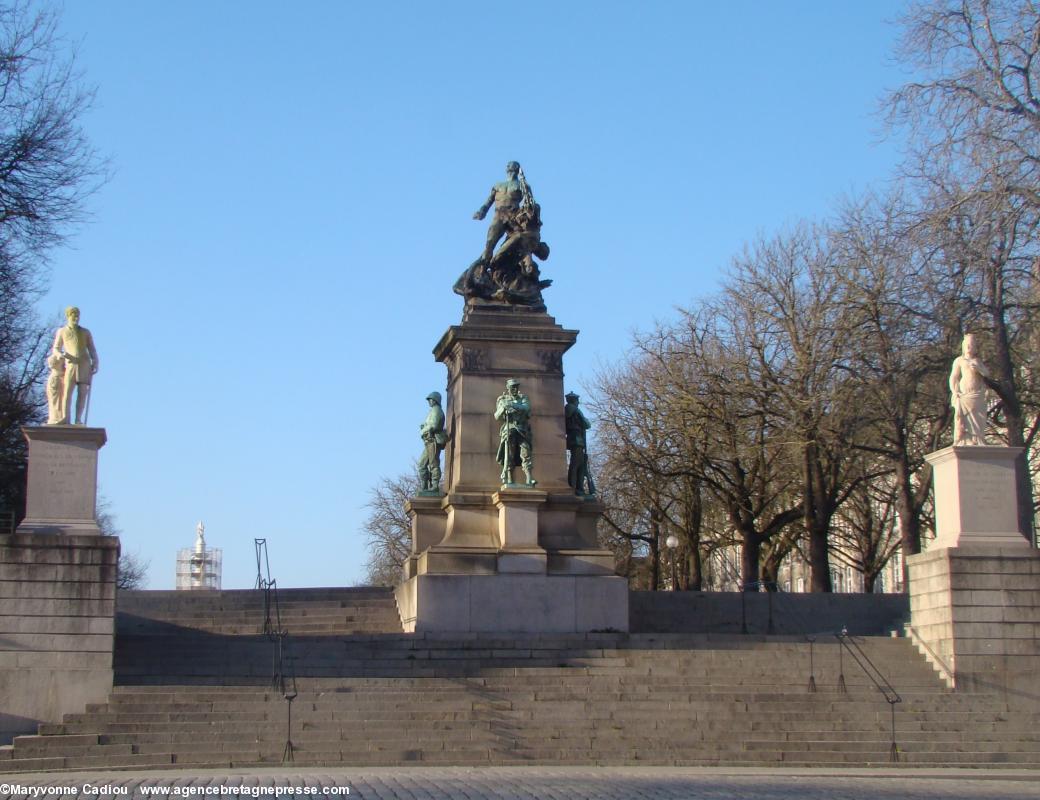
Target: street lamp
672	542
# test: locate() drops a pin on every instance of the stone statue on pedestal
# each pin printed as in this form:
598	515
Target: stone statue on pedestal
510	275
578	475
968	395
513	411
75	346
434	438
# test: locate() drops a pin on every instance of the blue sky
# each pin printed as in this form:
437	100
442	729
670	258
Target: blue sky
271	264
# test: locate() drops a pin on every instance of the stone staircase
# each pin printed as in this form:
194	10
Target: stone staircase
194	687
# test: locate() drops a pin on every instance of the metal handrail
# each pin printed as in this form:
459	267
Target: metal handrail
876	676
283	671
743	603
771	627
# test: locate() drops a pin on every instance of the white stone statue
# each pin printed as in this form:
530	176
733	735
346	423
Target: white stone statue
968	395
56	390
200	538
76	346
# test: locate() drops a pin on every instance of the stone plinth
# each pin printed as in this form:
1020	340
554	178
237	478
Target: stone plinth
975	613
62	486
428	521
57	606
487	557
975	497
513	603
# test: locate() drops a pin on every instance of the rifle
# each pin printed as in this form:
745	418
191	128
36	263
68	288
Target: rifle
525	189
588	476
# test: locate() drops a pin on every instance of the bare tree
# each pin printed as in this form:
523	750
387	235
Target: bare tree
977	103
904	308
132	571
47	169
799	338
388	529
690	440
866	536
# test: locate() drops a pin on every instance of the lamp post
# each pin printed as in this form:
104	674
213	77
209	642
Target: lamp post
671	543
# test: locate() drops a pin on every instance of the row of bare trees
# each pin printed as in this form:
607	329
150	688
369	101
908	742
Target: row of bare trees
792	410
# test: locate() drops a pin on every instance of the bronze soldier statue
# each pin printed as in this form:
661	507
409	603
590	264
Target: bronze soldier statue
434	439
513	410
575	423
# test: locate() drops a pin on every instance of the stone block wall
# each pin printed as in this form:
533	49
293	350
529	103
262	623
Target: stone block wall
791	613
975	613
57	611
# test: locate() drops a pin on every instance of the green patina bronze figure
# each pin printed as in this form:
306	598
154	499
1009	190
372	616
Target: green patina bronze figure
434	438
509	275
506	197
575	423
513	411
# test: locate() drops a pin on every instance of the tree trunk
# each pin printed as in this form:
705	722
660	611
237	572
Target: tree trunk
655	551
694	570
694	519
819	557
750	551
907	512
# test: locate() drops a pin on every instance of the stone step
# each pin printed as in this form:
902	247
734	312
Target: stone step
194	687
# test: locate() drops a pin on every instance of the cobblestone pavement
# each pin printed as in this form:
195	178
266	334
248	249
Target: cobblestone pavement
527	783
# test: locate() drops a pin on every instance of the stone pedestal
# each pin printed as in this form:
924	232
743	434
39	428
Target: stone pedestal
975	593
513	603
975	496
488	557
57	610
62	486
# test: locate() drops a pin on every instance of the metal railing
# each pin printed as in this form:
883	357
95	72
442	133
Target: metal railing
801	623
871	670
845	644
283	670
757	585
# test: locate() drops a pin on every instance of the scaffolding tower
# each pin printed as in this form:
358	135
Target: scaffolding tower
199	567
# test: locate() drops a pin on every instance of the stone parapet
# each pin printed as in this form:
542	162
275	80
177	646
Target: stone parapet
57	609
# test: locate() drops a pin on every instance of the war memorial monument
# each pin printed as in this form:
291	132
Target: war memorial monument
509	639
498	551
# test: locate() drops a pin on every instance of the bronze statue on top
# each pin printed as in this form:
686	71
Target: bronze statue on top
511	274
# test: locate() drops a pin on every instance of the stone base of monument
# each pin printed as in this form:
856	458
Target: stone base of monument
534	568
513	603
975	496
57	586
975	593
62	486
57	606
496	558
